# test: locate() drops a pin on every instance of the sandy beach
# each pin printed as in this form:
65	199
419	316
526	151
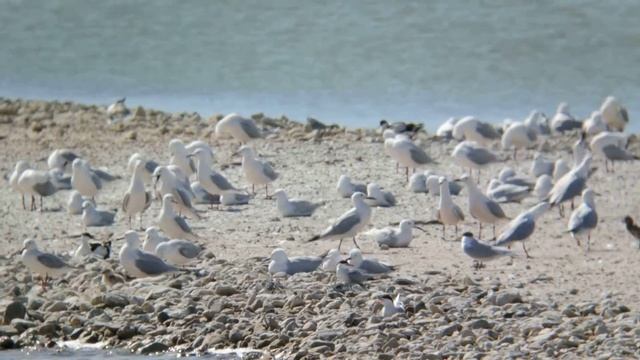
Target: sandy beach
562	302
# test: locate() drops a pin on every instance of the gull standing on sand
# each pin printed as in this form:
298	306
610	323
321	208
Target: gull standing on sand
407	154
281	263
584	218
504	193
235	198
83	180
44	264
179	157
138	263
471	129
350	223
481	252
171	186
521	228
171	224
241	129
433	186
136	199
98	218
470	155
349	275
379	197
118	110
571	184
178	252
21	166
202	196
211	180
149	167
563	121
614	114
448	212
481	207
540	165
293	207
61	159
152	239
330	262
612	147
393	237
370	266
391	307
508	176
36	183
256	171
543	187
346	188
594	124
518	136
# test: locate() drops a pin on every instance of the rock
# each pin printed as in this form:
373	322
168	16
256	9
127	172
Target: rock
49	329
14	310
212	340
126	332
313	124
225	290
321	343
112	300
294	301
21	324
8	330
162	317
57	306
7	343
448	330
329	335
35	303
153	348
507	297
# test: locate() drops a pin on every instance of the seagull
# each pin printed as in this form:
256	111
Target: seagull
518	136
538	122
433	186
21	166
393	237
541	165
97	249
481	207
330	262
614	114
61	159
346	188
508	176
480	251
202	196
234	198
201	145
256	171
138	263
350	223
521	228
241	129
281	263
118	110
83	180
75	201
571	184
448	212
349	275
44	264
212	181
370	266
401	127
632	228
503	192
379	197
36	183
390	306
152	239
171	186
418	183
560	169
563	121
172	224
580	149
136	199
584	218
293	207
445	130
470	155
179	157
543	187
149	167
407	154
178	252
97	218
611	146
472	129
110	278
594	124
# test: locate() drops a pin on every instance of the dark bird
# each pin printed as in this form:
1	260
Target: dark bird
632	228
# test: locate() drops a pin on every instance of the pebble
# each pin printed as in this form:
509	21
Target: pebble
15	310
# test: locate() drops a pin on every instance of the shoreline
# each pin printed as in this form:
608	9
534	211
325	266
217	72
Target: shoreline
560	302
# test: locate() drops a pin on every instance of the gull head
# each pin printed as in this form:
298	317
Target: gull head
132	160
373	189
388	134
344	181
465	178
279	255
167	200
132	239
138	166
29	244
442	180
21	166
87	205
539	209
467	236
628	220
563	108
245	151
152	232
76	164
506	173
176	146
199	154
357	197
159	172
587	197
280	194
494	183
355	257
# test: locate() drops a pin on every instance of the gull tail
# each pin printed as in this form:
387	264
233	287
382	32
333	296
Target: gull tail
314	238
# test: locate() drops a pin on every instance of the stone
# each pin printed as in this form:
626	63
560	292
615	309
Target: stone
57	306
8	330
507	297
153	348
48	329
35	303
126	332
225	290
479	324
448	330
7	343
112	300
321	343
21	324
14	310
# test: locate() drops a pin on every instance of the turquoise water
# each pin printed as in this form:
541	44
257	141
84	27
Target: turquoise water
352	62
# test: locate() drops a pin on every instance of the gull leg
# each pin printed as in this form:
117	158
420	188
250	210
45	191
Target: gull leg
266	191
340	244
525	250
41	207
33	203
573	206
129	221
355	243
253	189
407	173
24	205
589	240
456	229
444	238
561	210
515	153
494	231
397	167
479	230
141	228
